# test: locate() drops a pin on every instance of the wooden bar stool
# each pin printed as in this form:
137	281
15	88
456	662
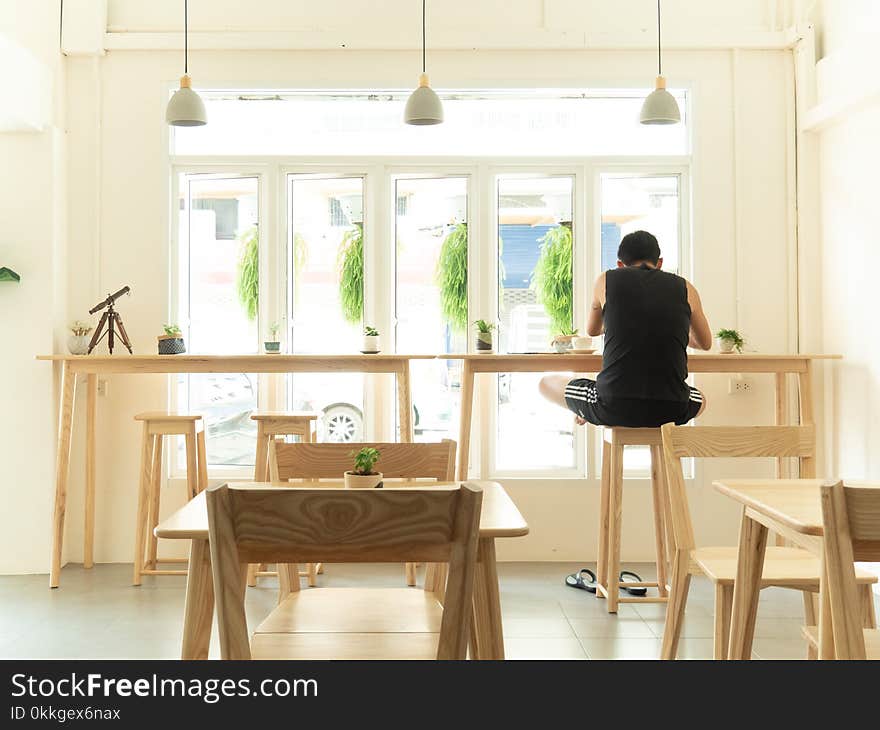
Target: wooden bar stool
269	425
610	515
158	424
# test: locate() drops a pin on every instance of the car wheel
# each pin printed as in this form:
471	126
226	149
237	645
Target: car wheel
343	423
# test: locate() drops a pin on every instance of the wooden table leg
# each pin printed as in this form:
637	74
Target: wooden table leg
488	639
404	403
467	411
747	587
91	461
199	610
62	469
805	392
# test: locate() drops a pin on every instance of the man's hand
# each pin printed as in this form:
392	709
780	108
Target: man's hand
579	421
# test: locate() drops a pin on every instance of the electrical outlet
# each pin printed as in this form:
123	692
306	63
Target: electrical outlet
102	387
739	384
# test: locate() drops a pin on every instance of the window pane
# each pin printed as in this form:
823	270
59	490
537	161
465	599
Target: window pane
218	261
535	303
431	294
551	122
631	203
325	298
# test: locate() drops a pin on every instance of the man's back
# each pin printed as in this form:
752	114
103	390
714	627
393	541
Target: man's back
647	321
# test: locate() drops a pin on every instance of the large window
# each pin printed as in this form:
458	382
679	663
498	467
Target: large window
326	297
217	306
431	294
535	302
507	212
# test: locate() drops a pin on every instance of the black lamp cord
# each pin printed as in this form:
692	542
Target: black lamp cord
423	36
659	56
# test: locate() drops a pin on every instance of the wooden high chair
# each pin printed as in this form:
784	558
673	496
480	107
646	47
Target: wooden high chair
157	425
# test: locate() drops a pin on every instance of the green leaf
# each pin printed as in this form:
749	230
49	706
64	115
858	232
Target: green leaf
451	277
248	274
552	280
350	260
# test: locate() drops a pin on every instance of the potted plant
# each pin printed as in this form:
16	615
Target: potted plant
273	346
370	344
553	278
563	341
484	335
78	342
363	476
171	343
729	340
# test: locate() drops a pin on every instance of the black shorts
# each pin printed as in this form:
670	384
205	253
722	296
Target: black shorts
582	398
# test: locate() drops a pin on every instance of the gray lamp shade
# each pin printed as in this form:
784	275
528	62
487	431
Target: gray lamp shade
423	105
186	108
660	107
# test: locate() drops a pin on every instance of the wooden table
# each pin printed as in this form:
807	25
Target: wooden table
91	366
779	365
499	518
790	508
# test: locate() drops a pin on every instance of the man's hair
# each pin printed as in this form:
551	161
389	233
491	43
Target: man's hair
638	246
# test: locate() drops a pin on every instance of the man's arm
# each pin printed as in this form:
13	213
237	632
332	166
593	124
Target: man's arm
595	325
701	333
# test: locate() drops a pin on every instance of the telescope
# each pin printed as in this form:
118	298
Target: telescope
112	321
110	300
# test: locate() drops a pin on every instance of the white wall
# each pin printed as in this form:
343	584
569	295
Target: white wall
849	157
33	312
119	202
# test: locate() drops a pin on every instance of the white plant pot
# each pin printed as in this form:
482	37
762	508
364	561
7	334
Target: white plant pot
78	344
726	347
358	481
370	343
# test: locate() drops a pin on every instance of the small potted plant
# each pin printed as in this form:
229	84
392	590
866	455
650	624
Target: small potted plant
563	341
484	335
729	340
273	346
171	343
363	476
370	344
78	342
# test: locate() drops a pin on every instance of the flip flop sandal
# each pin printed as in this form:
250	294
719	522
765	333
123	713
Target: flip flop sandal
627	576
576	580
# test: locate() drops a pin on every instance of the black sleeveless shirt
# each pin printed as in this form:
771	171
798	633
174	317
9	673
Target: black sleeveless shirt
647	324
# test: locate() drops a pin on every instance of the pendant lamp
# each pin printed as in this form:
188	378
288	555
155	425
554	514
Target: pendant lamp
423	105
186	108
660	107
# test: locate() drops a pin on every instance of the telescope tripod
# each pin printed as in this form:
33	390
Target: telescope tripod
113	321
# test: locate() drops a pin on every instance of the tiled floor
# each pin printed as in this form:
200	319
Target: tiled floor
98	614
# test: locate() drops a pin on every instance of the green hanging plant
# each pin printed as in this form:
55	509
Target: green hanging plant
350	260
300	259
552	279
452	279
248	274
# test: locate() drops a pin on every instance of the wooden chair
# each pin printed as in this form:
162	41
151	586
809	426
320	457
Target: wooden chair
399	461
262	525
786	567
157	425
851	526
271	424
611	515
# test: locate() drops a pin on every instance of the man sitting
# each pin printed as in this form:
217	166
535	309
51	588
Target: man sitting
649	318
